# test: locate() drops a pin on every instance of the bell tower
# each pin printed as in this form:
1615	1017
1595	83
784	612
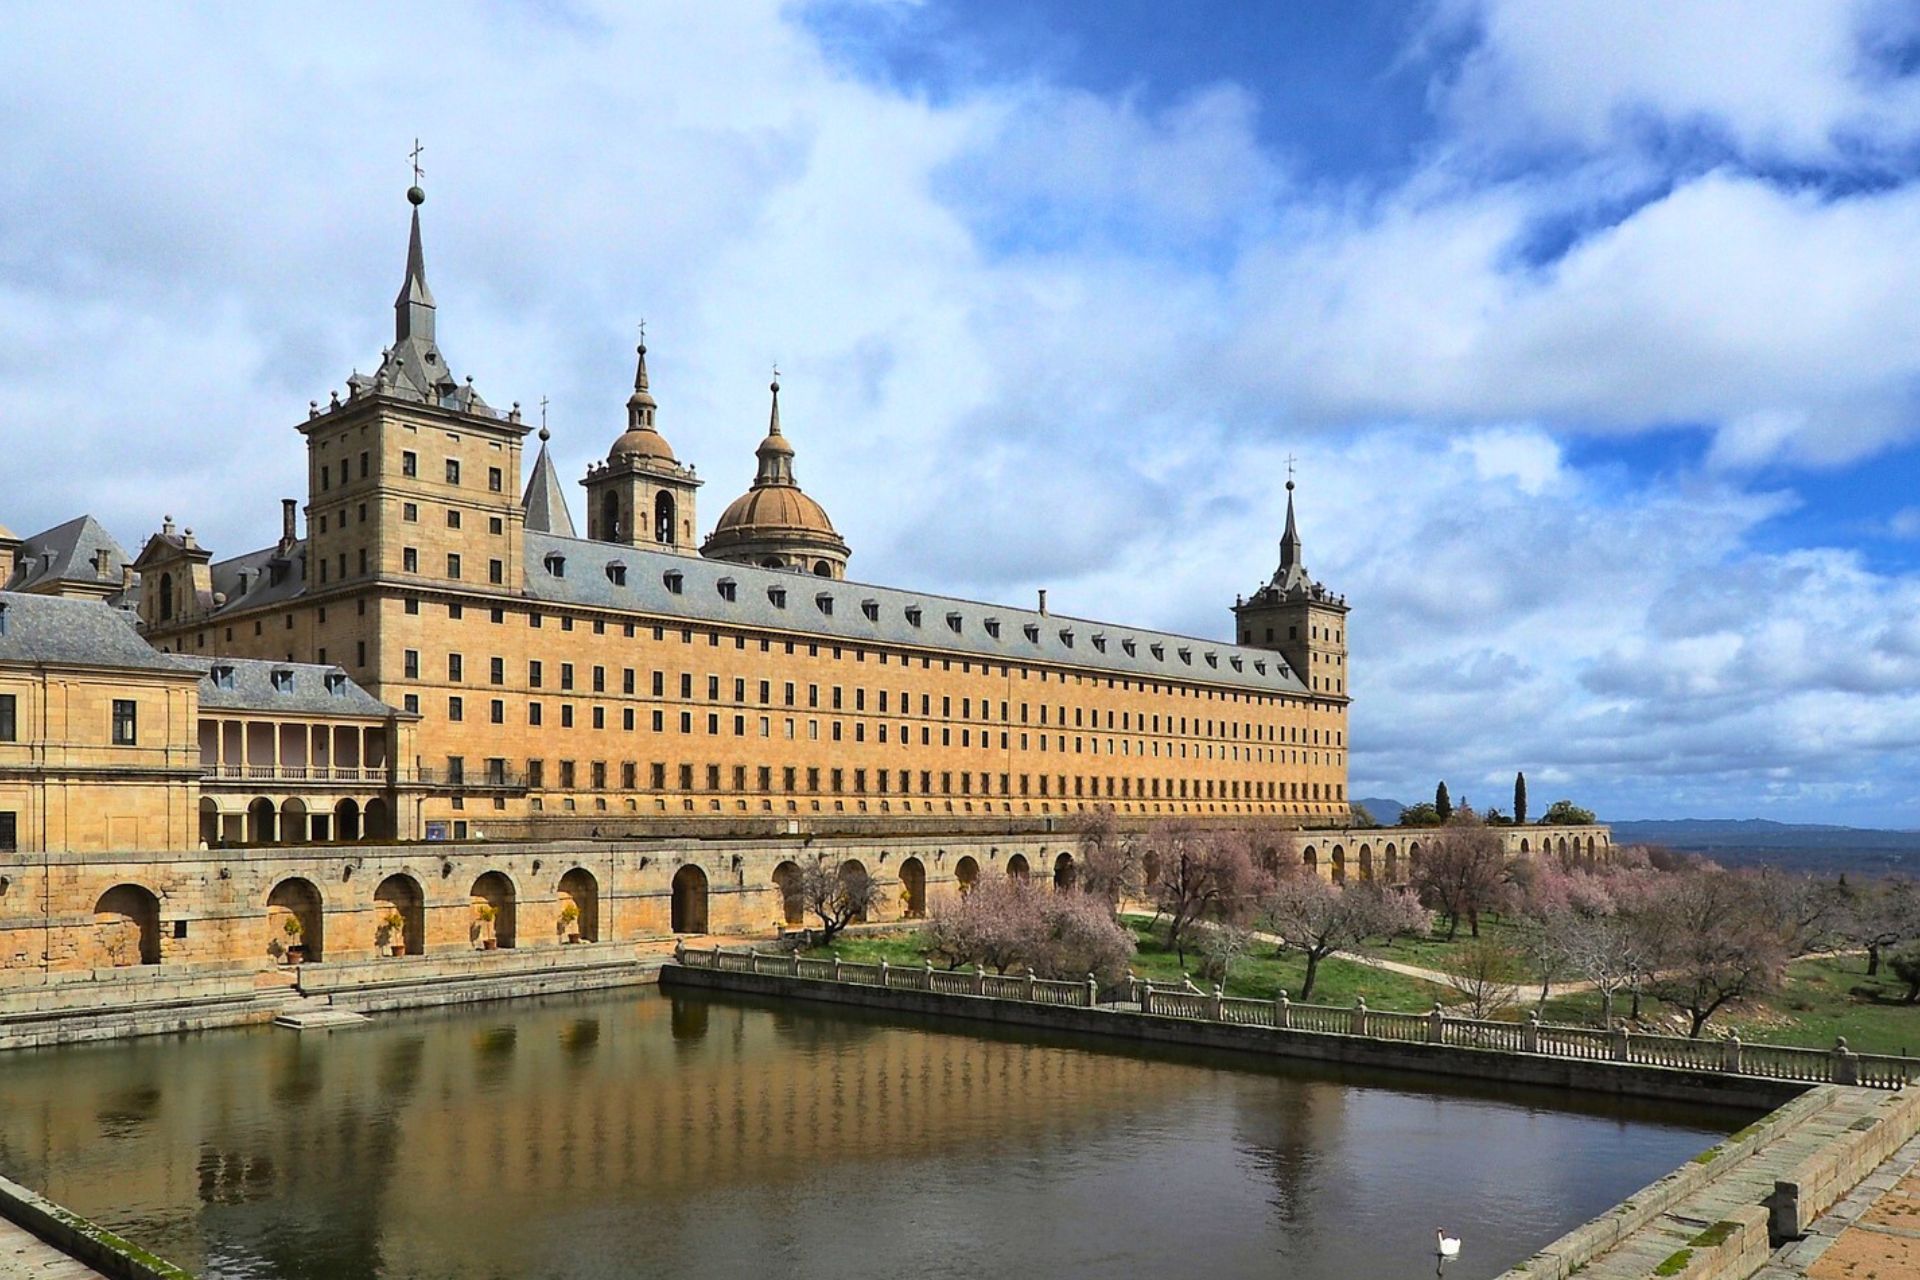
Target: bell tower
642	496
1299	618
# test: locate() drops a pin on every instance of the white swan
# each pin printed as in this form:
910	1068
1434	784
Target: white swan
1449	1246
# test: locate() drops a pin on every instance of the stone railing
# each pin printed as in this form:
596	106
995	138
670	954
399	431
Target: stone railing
1619	1044
297	772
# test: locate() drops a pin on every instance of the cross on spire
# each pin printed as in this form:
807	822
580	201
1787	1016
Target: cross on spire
643	331
1290	462
414	155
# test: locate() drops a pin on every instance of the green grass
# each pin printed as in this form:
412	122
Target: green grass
1435	952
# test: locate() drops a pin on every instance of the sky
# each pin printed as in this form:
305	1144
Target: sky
1594	327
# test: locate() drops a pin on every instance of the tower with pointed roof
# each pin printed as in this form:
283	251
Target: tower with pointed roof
1298	617
775	524
642	496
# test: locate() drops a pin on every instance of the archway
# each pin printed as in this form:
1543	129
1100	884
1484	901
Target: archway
580	891
610	516
493	913
1310	856
1339	864
689	900
260	821
965	873
1063	872
126	925
346	820
166	596
821	569
663	519
852	871
209	822
293	822
793	906
376	821
1366	862
1393	865
401	918
913	888
294	920
1017	868
1524	846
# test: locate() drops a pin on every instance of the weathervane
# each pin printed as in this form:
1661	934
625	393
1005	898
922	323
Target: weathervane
1290	462
543	413
414	155
643	331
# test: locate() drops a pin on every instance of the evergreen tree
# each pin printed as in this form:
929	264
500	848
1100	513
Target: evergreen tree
1442	802
1519	798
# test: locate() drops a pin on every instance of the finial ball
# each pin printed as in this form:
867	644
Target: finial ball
545	435
1289	486
416	196
774	386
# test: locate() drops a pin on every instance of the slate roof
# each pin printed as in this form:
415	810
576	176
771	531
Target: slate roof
250	687
545	501
83	633
255	570
959	627
67	552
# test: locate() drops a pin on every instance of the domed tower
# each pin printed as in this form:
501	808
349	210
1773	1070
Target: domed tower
642	495
775	525
1299	618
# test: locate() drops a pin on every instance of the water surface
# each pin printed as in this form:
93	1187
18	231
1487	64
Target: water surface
644	1134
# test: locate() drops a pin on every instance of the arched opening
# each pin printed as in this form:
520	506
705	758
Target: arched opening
1311	857
965	873
610	516
913	889
1063	872
1339	864
663	519
376	820
260	821
1017	868
126	925
293	822
1524	847
1366	862
851	871
689	900
295	925
821	569
346	820
579	918
166	596
771	562
400	924
1393	865
209	822
493	913
793	907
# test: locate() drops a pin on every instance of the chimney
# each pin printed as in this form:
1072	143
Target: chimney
126	576
1043	602
287	508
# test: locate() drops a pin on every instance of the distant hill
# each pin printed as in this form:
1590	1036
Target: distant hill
1385	812
1801	845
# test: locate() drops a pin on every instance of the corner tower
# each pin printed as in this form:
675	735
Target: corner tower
642	495
1298	617
774	524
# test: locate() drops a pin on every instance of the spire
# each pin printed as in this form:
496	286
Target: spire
413	308
775	454
545	503
641	404
1290	551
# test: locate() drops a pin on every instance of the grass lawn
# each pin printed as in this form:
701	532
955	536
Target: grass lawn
1260	975
1435	952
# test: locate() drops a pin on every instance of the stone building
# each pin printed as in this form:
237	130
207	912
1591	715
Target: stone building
594	681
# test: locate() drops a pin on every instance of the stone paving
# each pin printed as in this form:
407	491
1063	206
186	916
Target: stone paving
1872	1234
24	1255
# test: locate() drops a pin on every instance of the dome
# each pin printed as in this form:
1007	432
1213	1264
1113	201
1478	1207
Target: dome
643	442
774	524
772	510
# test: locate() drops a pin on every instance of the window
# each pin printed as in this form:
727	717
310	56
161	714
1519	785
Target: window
729	590
9	714
617	573
411	664
456	709
409	560
126	727
410	464
453	565
556	564
410	511
453	518
497	670
494	479
453	471
9	832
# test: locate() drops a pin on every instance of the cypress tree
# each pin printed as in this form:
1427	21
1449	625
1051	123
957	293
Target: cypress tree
1519	798
1442	802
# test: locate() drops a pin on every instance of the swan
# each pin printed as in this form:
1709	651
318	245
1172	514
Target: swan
1449	1246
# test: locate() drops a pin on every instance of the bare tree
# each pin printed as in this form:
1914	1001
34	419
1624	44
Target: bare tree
1879	916
1712	938
1486	975
1202	875
1111	867
1462	873
1317	919
837	895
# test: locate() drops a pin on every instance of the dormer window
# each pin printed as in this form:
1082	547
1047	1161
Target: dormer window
1159	652
824	603
556	564
1186	656
674	580
1033	632
993	627
913	615
1128	646
871	608
729	590
1239	664
617	573
1099	642
1213	659
777	596
953	623
337	683
1066	636
282	680
222	677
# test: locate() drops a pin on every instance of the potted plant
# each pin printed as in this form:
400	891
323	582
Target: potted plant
393	930
296	951
485	914
570	922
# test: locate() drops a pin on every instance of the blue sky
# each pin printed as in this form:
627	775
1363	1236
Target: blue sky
1595	325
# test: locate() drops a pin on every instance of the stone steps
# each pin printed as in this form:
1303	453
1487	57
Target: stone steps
26	1255
317	1013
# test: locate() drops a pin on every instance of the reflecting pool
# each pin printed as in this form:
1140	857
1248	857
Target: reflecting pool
641	1133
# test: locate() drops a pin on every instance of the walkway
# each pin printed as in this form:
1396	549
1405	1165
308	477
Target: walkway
23	1255
1875	1231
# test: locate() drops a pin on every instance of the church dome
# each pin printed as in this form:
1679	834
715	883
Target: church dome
775	524
772	510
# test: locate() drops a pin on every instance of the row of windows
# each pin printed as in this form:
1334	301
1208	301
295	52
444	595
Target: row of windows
409	513
409	467
125	725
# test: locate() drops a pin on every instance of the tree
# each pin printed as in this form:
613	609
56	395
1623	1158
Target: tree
1565	813
1486	975
1110	859
1442	802
1519	799
1317	919
1006	923
838	895
1461	874
1711	940
1879	916
1358	815
1906	967
1221	948
1202	876
1420	815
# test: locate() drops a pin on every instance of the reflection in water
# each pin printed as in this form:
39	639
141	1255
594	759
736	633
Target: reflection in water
646	1134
